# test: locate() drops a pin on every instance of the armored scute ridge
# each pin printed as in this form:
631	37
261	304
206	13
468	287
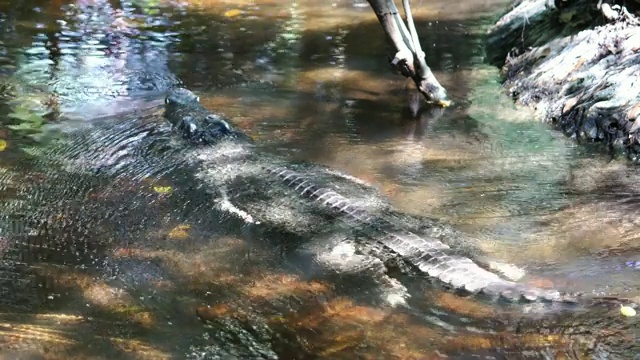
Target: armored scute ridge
429	255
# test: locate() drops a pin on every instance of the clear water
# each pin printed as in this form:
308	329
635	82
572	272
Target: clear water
309	80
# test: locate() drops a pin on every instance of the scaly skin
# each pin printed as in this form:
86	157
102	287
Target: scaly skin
228	152
194	122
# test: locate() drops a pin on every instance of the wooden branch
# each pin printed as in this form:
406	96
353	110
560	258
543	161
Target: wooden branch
409	57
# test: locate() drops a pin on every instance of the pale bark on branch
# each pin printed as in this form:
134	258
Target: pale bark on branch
409	57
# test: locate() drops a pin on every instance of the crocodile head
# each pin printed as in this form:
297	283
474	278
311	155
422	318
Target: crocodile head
193	121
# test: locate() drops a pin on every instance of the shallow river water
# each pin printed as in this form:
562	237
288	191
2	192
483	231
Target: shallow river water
308	80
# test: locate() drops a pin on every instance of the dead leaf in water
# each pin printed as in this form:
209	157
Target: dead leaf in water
162	189
627	311
445	103
180	232
232	13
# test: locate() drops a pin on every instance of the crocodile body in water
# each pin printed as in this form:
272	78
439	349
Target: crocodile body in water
250	184
220	173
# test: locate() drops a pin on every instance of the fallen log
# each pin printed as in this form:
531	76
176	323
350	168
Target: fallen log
577	62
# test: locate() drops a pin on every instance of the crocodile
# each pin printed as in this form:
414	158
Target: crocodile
246	181
213	165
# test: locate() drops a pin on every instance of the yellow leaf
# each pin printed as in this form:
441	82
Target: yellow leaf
232	13
179	232
627	311
162	189
445	103
3	145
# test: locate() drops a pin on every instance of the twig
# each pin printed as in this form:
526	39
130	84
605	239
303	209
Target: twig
417	49
409	57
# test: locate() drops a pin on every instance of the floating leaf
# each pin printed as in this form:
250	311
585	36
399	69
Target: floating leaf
179	232
627	311
232	13
162	189
3	145
445	103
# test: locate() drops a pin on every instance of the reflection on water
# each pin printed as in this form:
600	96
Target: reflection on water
134	267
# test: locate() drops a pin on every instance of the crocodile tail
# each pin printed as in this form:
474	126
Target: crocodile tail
437	260
429	255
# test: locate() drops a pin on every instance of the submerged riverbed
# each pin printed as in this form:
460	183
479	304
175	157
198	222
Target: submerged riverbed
308	80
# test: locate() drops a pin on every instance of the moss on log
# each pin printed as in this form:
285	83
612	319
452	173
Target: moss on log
577	62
